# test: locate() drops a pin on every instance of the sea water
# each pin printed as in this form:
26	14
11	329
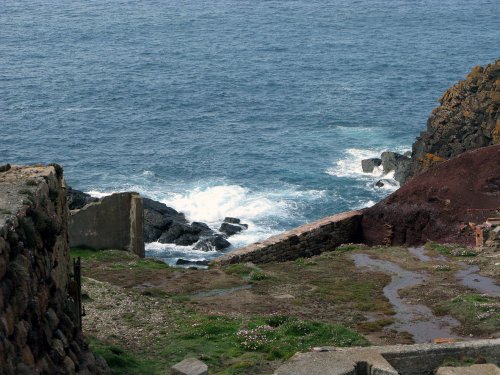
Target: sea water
257	109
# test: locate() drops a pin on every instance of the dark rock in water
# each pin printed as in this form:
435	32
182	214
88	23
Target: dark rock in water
230	229
232	220
202	228
186	239
385	182
369	165
185	262
232	225
158	218
175	231
400	164
77	199
216	242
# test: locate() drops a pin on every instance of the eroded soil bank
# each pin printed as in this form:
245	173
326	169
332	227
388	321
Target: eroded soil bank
247	319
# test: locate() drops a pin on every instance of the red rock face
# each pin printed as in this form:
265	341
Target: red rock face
438	204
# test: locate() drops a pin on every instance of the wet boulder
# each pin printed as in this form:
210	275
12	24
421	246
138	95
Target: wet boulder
369	165
216	242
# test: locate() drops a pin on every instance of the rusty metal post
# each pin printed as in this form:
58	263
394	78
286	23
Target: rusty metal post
479	236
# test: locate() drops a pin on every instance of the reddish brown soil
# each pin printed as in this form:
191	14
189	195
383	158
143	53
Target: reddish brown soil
439	204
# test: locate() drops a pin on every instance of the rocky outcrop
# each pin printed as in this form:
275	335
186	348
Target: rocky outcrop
39	319
231	226
158	218
468	118
439	204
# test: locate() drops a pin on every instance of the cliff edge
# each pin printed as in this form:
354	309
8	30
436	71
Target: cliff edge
468	118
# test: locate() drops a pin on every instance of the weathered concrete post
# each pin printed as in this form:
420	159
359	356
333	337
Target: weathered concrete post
114	222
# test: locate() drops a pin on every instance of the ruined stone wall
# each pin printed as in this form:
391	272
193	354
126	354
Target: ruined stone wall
39	330
305	241
114	222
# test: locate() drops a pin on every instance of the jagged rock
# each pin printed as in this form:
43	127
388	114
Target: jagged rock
204	229
468	118
216	242
158	218
232	220
230	229
400	164
369	165
176	231
78	199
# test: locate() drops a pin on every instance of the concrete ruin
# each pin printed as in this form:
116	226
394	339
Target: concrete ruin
418	359
114	222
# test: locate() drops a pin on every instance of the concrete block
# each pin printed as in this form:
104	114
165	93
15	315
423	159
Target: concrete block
115	222
485	369
190	366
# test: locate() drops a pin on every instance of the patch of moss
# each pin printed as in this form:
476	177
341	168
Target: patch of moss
122	362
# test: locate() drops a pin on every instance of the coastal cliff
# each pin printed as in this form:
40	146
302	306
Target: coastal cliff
468	118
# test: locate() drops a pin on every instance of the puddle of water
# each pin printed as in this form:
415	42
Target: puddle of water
418	320
471	279
220	292
419	252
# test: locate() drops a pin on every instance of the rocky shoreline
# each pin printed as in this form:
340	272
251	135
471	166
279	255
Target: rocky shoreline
165	225
468	118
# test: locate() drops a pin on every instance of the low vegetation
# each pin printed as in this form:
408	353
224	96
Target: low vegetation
144	316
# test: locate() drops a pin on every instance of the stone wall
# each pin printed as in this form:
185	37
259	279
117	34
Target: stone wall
39	330
114	222
305	241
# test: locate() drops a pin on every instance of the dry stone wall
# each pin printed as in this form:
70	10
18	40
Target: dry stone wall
39	330
305	241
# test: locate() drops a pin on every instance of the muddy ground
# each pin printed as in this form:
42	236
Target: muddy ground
388	295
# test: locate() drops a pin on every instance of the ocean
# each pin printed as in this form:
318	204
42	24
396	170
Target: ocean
257	109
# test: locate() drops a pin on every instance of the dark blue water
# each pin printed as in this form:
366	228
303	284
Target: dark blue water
260	109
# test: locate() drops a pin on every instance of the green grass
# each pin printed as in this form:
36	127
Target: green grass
122	362
120	259
246	272
474	310
220	340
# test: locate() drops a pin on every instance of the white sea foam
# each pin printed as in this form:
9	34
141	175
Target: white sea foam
350	164
212	204
99	194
